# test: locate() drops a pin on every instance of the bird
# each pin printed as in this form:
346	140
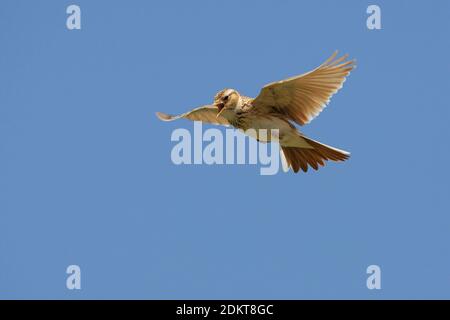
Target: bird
282	105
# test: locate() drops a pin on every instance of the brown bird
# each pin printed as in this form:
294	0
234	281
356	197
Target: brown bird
280	104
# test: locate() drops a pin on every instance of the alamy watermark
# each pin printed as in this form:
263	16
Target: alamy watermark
373	22
374	279
191	149
73	21
73	281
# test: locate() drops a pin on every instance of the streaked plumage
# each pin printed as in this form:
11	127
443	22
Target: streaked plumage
280	104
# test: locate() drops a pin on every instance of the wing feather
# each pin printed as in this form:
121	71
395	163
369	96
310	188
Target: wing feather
303	97
206	114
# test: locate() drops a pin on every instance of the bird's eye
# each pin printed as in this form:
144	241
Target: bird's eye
225	98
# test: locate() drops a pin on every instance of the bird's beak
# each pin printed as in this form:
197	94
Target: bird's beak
220	106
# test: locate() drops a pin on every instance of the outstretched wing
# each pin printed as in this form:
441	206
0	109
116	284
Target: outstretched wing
206	113
303	97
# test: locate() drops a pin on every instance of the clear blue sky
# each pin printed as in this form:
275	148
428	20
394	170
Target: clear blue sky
86	176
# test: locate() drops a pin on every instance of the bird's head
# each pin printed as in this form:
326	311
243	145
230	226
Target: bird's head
227	99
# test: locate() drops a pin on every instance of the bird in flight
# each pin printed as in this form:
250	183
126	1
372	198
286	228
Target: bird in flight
278	106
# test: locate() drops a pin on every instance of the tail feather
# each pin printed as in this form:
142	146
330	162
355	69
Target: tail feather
315	157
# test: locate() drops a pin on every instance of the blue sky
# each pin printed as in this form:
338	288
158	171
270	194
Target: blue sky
87	179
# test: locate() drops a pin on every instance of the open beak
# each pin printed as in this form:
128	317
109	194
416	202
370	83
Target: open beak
220	106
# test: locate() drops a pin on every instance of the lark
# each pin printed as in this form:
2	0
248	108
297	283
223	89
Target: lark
281	105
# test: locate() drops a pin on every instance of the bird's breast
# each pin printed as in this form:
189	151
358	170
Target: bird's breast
260	125
267	122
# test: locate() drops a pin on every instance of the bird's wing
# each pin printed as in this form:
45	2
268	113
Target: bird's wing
303	97
206	113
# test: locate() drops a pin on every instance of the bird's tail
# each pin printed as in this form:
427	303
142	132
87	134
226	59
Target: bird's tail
316	156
